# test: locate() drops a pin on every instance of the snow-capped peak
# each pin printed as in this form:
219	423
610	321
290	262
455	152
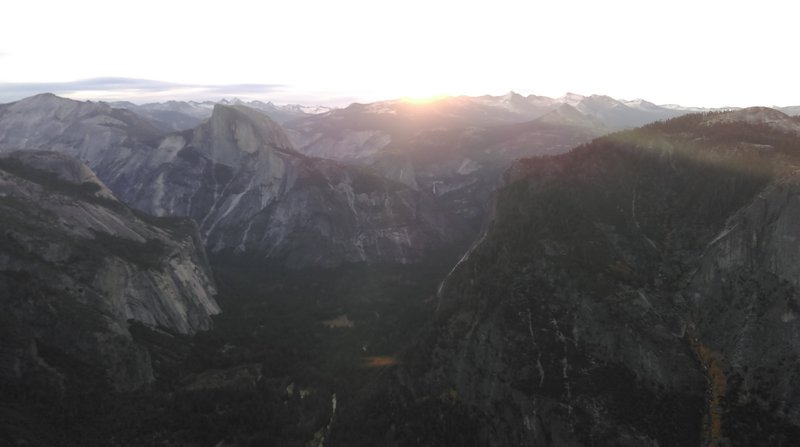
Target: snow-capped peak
640	104
572	99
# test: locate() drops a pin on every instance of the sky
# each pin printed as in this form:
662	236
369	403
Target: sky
705	53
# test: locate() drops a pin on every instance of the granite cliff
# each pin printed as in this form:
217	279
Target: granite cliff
76	265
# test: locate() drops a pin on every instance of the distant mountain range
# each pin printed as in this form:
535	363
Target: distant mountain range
182	115
235	160
361	129
509	108
620	273
457	147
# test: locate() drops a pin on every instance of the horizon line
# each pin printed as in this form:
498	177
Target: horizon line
144	91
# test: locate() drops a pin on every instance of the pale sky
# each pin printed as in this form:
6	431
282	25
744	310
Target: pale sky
694	53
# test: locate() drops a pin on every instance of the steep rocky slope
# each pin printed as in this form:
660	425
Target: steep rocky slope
239	178
76	265
110	141
639	290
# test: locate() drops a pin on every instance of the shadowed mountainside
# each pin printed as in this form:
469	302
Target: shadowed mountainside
630	292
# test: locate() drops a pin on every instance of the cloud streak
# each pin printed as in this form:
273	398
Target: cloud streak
140	90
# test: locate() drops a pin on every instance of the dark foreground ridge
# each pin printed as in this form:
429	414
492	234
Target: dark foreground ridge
639	290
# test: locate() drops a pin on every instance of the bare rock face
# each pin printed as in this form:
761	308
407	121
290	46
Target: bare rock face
233	133
333	215
76	265
110	141
746	304
235	162
239	178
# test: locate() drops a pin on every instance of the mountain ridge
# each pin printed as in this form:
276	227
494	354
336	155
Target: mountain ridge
237	175
616	296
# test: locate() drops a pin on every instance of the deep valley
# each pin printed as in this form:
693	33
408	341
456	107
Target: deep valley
494	270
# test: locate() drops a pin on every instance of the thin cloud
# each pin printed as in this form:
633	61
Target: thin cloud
136	90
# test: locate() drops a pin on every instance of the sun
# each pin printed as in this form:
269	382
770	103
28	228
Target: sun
413	90
423	99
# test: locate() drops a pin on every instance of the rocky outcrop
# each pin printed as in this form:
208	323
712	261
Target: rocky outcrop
76	265
205	173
